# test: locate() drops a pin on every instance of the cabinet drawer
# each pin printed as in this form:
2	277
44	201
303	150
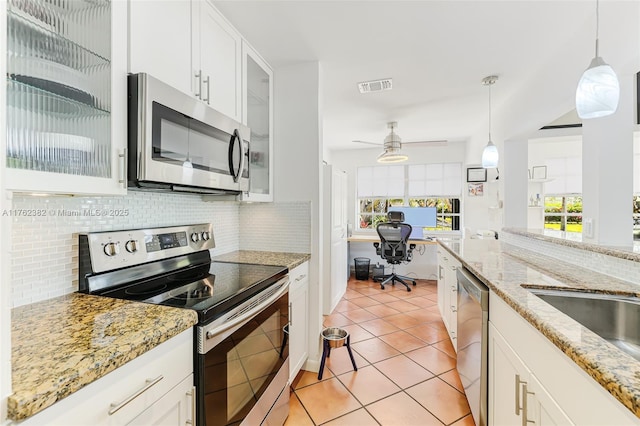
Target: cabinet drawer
129	387
299	276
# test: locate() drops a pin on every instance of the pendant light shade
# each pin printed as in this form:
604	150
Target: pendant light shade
598	90
490	154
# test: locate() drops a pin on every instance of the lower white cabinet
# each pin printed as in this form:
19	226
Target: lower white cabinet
448	293
532	382
515	395
298	324
176	407
154	388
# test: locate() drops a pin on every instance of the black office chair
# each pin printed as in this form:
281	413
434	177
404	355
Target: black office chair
394	247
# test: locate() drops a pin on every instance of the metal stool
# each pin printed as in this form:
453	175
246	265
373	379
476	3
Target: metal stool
333	337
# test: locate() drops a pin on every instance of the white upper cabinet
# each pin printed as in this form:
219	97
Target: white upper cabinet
217	60
160	41
66	97
257	102
190	46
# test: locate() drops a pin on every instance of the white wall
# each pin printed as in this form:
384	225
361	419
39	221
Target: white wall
298	166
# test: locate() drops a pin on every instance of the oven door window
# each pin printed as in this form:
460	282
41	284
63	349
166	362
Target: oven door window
177	139
237	371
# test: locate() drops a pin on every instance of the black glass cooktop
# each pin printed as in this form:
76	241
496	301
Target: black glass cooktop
210	289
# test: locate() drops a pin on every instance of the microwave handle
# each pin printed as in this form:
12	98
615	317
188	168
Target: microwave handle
236	137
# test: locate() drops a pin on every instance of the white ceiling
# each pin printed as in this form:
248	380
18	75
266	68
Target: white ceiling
437	53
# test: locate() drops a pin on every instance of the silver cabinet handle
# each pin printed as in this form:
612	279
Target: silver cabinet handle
525	392
440	271
454	309
301	277
199	77
454	288
115	407
290	314
122	157
453	268
192	395
522	408
518	382
453	335
208	83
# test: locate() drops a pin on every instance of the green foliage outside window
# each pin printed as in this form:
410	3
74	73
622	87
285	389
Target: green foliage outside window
374	211
563	213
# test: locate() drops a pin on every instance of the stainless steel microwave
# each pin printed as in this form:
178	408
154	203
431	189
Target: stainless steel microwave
177	142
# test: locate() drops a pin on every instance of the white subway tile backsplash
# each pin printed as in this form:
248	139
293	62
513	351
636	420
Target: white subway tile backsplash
44	250
282	227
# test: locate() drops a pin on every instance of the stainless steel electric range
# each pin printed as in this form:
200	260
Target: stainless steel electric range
241	355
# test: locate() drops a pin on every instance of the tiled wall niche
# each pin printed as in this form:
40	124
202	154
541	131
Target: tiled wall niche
44	245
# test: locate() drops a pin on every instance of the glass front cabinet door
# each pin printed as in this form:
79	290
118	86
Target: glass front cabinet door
66	96
258	115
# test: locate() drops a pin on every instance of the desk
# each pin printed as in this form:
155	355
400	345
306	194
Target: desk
375	239
424	264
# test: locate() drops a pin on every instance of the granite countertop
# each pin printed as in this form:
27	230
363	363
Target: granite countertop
574	239
290	260
505	269
62	344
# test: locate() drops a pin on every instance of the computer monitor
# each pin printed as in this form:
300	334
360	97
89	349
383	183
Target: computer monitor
418	218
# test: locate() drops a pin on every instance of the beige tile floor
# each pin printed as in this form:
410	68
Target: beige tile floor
406	364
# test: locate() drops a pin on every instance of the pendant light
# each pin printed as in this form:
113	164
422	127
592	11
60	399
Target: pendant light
598	91
490	154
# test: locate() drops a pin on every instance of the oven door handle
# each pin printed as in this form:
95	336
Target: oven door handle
246	316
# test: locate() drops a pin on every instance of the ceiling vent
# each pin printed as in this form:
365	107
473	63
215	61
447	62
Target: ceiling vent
375	85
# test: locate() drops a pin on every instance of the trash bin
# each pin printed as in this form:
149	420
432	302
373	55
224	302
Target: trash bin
362	268
378	271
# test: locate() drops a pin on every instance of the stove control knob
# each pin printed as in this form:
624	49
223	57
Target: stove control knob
205	236
111	249
131	246
195	237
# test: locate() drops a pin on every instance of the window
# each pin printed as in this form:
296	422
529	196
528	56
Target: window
422	185
563	213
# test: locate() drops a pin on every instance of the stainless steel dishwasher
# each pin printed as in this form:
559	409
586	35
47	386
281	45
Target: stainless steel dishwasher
473	319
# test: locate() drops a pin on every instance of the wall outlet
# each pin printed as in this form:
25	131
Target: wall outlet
587	227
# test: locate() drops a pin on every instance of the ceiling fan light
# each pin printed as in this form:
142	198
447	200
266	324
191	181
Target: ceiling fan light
598	91
490	156
392	156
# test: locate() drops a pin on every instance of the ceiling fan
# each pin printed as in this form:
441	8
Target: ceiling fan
392	145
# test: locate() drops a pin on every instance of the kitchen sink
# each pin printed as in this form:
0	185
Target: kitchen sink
614	318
